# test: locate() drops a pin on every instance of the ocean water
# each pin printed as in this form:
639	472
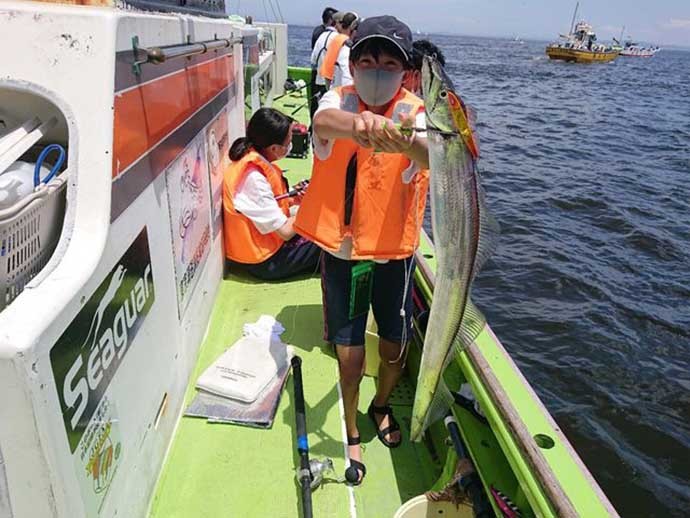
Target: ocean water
587	168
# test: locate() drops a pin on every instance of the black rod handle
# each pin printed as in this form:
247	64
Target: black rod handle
305	476
470	483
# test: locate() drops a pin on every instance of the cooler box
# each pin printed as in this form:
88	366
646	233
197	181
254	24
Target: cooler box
300	141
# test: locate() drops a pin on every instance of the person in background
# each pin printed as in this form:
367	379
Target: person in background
336	63
318	51
258	228
326	21
364	208
421	48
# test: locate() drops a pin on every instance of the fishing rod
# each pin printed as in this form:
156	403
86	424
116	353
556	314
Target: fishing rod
304	473
431	129
469	482
294	192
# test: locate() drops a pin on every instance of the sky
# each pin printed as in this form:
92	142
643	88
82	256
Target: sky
661	22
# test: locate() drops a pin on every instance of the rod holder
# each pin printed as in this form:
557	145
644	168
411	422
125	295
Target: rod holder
158	55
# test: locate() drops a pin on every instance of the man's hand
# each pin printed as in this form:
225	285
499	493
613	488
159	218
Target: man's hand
372	130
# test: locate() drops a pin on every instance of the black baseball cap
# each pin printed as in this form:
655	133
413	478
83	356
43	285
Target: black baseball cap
385	27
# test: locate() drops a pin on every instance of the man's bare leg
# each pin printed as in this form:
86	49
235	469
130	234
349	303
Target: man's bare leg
390	371
351	367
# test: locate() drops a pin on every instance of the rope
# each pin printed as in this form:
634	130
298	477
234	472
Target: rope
275	15
265	9
408	277
280	11
294	316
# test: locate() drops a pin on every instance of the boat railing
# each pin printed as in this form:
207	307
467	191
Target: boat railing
158	55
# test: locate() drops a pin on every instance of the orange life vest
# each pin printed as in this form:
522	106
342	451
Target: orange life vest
327	70
385	215
243	242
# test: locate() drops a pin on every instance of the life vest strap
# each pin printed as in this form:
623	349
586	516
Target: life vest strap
350	182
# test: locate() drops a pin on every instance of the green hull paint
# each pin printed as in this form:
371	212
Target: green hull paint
562	461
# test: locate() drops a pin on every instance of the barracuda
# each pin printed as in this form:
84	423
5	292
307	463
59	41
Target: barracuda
463	234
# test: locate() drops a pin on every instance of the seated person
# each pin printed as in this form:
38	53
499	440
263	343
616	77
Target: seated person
257	217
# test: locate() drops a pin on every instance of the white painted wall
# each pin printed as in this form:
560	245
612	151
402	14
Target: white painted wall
67	55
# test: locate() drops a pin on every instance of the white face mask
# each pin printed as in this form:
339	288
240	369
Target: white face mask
280	156
375	86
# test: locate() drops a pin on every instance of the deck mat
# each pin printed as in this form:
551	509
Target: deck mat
403	394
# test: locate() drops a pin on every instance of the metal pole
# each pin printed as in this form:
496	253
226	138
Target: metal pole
302	443
572	23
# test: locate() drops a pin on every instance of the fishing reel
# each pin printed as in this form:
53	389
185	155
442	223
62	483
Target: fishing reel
319	469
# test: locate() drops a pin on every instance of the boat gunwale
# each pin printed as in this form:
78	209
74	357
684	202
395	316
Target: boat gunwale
487	357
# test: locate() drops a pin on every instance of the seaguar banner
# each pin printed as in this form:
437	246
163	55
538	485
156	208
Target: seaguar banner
87	356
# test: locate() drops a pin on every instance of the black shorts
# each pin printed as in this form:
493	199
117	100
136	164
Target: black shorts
388	293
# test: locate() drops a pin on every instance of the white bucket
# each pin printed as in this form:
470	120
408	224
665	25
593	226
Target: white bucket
420	507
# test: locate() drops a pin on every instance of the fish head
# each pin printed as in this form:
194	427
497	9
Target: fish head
436	86
446	113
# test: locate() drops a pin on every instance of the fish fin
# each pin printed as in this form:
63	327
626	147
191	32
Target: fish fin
473	322
489	231
441	403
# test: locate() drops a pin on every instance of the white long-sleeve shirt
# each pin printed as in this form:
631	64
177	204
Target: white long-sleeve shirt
255	199
341	75
319	52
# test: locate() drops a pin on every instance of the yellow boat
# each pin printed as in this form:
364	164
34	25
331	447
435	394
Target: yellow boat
580	46
580	55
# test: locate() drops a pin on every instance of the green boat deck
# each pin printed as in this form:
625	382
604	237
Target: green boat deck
228	470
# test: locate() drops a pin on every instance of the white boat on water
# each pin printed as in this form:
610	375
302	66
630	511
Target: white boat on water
634	50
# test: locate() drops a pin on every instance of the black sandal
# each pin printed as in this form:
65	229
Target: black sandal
352	472
394	426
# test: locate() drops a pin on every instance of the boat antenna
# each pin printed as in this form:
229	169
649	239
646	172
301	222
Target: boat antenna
622	31
572	23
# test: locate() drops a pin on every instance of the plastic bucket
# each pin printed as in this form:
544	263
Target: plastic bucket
420	507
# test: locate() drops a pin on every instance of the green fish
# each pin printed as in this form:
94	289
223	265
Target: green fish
464	236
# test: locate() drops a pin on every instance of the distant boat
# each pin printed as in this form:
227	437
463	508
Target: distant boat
633	50
519	40
580	45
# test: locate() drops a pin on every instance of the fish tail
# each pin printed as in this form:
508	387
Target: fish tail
432	405
423	399
437	405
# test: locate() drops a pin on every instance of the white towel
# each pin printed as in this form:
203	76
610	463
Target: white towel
265	326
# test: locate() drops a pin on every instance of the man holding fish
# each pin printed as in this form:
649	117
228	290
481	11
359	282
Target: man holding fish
365	207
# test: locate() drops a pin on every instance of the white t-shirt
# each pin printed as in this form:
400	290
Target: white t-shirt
319	52
341	75
323	148
255	199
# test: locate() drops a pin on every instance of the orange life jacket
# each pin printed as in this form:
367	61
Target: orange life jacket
243	242
327	70
385	214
